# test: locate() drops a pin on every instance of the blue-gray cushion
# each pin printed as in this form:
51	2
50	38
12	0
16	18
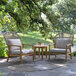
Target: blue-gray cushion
58	50
24	51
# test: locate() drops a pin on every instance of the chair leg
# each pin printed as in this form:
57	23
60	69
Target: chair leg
7	58
49	56
21	59
55	56
66	57
33	57
70	54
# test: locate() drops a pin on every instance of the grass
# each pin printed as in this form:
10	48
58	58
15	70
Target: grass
33	38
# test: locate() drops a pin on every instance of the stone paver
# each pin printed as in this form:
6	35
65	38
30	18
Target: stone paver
43	73
17	74
45	67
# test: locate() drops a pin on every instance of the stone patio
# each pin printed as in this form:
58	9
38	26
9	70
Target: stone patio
45	67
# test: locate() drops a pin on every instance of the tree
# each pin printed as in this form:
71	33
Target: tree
26	15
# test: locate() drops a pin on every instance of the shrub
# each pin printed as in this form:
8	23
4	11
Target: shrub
74	53
3	48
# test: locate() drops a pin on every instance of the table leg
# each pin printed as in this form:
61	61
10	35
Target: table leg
34	53
39	52
42	53
46	52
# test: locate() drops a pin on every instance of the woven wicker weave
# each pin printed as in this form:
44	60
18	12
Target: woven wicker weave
62	45
64	35
9	36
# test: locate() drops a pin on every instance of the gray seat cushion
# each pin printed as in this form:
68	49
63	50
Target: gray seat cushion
58	50
24	51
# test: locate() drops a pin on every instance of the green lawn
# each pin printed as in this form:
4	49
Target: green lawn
33	38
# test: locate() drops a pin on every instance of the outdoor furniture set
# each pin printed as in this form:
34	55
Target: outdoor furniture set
62	45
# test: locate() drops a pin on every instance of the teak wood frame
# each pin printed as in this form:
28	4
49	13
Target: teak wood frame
9	54
13	35
68	46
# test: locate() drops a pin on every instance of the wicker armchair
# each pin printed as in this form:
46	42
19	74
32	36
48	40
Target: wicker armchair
15	46
64	35
62	45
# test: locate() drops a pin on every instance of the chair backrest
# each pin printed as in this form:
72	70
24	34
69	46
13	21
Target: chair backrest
64	35
12	39
62	42
11	35
14	42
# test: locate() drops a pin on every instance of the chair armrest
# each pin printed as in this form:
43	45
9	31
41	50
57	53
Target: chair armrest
51	44
14	45
27	44
68	45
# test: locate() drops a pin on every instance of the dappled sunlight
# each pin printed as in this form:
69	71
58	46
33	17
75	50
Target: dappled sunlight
11	67
34	36
3	60
21	34
38	65
62	65
41	67
32	40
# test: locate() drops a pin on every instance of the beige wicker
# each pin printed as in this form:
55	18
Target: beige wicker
64	35
62	45
15	46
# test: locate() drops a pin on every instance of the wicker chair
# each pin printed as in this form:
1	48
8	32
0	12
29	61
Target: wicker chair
64	35
15	46
62	45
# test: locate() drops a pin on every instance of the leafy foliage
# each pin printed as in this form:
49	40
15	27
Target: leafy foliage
25	15
74	53
3	50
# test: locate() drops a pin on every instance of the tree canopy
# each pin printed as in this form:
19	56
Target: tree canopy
38	15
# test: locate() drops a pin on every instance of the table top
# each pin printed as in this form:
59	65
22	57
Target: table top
41	46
